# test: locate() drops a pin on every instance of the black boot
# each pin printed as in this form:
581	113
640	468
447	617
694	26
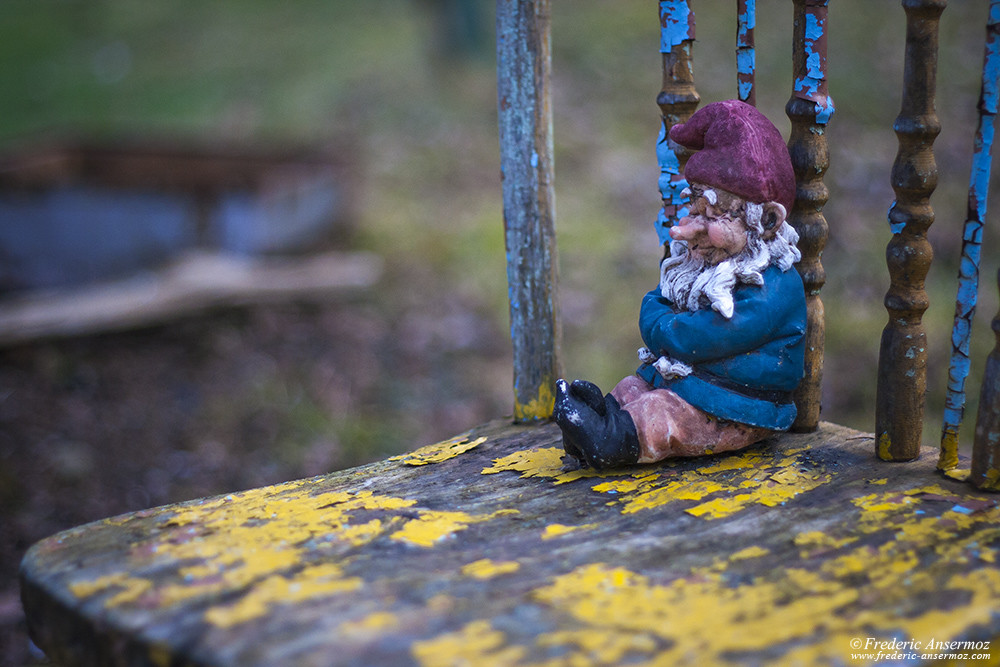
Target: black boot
601	435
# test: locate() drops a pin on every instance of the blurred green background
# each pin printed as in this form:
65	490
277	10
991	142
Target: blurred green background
409	86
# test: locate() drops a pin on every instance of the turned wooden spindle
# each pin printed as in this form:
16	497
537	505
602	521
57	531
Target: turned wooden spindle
677	101
902	370
985	472
809	110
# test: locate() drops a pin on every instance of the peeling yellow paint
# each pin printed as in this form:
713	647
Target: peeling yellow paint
432	526
960	474
884	446
948	459
991	481
374	623
442	451
477	643
310	583
757	477
750	552
539	406
814	609
817	542
487	569
595	646
545	462
253	544
558	530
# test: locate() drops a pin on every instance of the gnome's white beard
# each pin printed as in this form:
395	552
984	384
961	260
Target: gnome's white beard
691	284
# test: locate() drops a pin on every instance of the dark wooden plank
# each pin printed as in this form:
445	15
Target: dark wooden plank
524	62
485	549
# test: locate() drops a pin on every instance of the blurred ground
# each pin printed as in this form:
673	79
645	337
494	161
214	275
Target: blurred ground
105	424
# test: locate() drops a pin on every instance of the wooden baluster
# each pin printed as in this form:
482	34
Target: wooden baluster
746	20
902	367
985	472
972	241
809	110
525	119
677	101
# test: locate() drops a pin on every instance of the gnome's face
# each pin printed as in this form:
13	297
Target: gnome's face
714	228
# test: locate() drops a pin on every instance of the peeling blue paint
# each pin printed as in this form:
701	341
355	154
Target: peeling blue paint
676	24
895	227
746	57
972	233
812	85
671	185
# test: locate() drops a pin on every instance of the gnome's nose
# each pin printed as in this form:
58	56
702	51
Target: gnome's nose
687	228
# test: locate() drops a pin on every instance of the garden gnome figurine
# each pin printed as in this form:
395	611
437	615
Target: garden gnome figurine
724	331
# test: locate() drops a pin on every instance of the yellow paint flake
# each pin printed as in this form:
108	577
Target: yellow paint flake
558	530
884	447
487	569
433	525
537	407
442	451
600	646
545	462
880	482
991	480
815	542
374	623
475	644
948	458
311	582
780	488
959	474
750	552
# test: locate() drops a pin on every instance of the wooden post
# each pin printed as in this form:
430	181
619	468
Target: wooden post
809	110
972	242
985	472
525	120
902	368
677	101
746	21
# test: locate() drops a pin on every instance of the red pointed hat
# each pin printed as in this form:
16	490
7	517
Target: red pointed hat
738	150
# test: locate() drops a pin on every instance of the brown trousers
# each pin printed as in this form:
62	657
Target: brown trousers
669	426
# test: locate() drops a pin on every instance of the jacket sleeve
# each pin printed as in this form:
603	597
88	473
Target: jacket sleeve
705	335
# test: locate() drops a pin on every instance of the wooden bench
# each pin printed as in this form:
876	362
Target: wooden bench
485	549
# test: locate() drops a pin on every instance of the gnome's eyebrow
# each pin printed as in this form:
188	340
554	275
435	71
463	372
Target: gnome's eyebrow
697	191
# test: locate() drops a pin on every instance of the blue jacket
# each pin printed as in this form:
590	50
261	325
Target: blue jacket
746	367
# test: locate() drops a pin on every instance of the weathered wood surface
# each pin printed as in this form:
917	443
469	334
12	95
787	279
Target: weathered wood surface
484	549
902	365
524	64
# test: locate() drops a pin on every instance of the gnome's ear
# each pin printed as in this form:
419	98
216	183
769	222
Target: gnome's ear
774	215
